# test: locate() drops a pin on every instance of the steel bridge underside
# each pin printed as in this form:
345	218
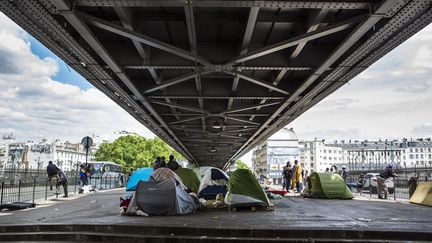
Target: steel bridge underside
215	78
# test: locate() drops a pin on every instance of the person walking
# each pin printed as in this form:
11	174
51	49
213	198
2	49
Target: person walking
62	182
52	171
287	175
297	176
172	163
381	178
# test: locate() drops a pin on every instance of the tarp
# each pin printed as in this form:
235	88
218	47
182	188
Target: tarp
214	182
141	174
244	190
189	178
164	198
328	186
423	194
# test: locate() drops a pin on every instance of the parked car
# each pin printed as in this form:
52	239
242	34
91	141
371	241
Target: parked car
371	180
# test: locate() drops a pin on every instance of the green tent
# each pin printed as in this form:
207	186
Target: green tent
189	178
244	190
328	186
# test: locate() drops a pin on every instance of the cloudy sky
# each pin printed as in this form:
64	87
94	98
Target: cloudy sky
40	97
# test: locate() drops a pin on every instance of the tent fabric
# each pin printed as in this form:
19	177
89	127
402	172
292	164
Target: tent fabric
164	198
244	190
214	182
189	178
141	174
328	186
163	174
423	194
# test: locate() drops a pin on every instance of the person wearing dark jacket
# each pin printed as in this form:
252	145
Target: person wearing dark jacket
172	163
52	171
287	175
62	182
381	178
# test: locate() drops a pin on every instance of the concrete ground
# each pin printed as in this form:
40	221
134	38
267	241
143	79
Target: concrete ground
293	212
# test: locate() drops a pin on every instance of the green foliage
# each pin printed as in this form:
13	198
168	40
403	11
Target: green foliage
132	152
241	165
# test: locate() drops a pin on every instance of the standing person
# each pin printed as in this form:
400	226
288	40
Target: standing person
172	163
157	163
298	176
327	170
344	173
62	181
83	175
381	178
163	163
287	175
52	171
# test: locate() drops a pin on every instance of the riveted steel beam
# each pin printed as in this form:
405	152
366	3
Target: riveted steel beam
229	4
328	30
108	26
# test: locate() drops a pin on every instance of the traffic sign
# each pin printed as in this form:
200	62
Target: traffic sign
87	142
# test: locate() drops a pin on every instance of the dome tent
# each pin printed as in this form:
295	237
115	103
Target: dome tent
189	178
327	186
141	174
245	191
214	182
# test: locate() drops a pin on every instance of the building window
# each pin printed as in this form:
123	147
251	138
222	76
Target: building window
411	150
416	156
416	150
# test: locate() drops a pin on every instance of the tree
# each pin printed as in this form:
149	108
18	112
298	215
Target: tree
132	151
241	165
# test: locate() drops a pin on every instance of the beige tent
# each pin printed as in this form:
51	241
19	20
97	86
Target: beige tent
423	194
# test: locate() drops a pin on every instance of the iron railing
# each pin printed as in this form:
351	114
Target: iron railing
31	189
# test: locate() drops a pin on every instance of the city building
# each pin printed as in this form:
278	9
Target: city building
317	156
35	156
270	158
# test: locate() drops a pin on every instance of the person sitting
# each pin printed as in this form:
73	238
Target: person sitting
172	163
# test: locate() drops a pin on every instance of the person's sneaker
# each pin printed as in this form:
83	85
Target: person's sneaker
65	196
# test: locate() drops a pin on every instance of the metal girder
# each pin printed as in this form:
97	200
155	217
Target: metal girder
103	53
250	108
218	68
186	120
108	26
354	36
183	107
243	121
253	14
314	21
229	4
126	19
328	30
216	97
173	81
258	82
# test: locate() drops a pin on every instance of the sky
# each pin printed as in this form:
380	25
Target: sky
41	97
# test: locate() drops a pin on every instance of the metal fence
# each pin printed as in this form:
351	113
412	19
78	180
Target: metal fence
401	186
25	188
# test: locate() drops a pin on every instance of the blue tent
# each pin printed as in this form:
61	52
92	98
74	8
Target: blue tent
141	174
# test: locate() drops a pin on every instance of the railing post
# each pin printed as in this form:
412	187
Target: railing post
370	187
46	189
2	190
75	184
19	190
34	189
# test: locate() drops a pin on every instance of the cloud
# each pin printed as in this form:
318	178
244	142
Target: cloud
423	130
34	105
388	100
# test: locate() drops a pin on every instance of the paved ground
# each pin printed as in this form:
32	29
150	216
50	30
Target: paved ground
101	208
